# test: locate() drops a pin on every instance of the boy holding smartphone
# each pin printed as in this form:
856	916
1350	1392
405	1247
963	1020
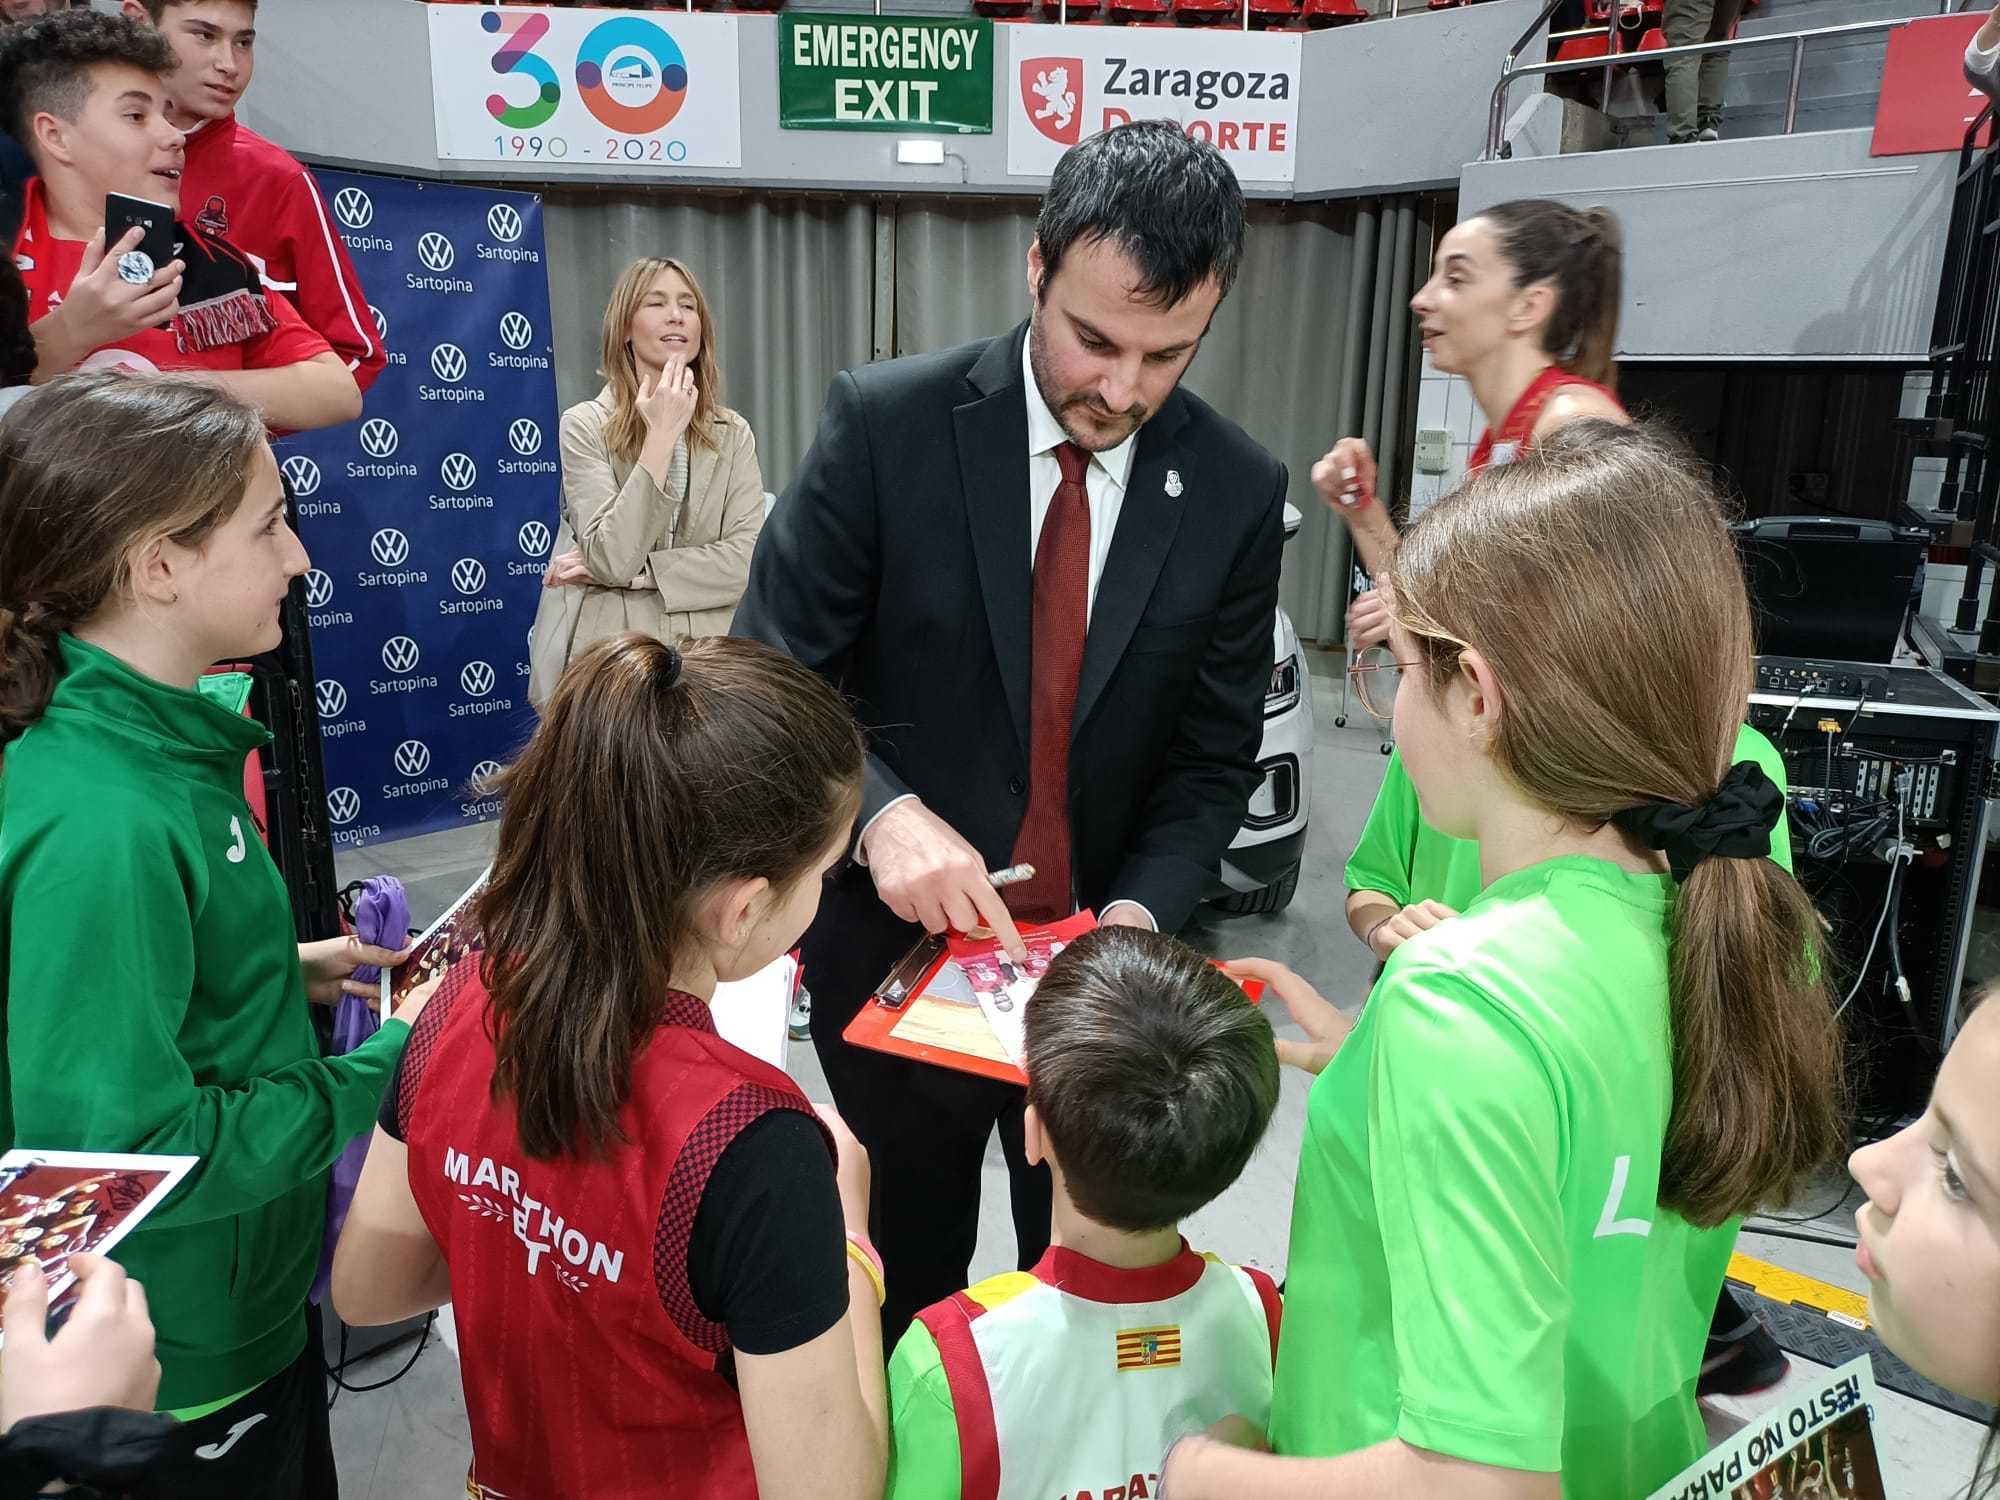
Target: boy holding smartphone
243	188
88	100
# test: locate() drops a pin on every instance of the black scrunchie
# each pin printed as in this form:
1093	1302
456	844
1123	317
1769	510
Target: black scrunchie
672	674
1735	823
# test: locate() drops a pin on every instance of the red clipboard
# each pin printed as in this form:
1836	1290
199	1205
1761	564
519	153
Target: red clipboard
939	1031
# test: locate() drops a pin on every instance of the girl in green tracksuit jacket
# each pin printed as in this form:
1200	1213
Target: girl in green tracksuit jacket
151	993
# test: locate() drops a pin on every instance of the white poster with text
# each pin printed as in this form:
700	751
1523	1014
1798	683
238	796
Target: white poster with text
622	92
1236	89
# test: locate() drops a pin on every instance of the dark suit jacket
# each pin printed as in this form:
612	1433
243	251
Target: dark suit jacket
898	565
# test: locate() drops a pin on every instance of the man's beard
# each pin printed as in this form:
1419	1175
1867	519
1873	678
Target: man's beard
1060	405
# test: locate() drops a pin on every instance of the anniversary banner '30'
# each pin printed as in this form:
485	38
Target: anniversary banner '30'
429	520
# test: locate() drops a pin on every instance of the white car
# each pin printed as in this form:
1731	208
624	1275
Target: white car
1260	870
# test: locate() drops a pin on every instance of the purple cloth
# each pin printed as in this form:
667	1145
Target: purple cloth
381	917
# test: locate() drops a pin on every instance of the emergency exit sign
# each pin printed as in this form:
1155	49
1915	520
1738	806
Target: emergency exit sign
885	73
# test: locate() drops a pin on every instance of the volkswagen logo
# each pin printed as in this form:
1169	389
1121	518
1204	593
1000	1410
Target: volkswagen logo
378	437
390	547
534	539
459	471
353	208
319	589
381	322
503	223
468	575
476	679
343	804
448	363
485	769
332	698
524	437
303	473
435	251
399	654
516	332
413	758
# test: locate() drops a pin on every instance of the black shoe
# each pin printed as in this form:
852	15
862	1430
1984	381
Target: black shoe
1742	1362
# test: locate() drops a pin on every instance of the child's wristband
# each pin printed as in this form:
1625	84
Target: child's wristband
869	1259
1368	938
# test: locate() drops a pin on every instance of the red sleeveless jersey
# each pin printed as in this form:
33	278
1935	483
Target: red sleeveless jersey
588	1369
1516	432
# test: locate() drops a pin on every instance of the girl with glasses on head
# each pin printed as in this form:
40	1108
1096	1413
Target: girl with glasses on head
1525	1165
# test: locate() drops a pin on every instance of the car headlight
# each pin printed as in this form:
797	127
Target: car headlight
1283	693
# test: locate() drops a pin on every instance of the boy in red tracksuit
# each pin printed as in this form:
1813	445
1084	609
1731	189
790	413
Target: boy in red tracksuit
240	187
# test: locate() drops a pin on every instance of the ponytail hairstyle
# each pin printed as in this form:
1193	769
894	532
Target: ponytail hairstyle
625	433
1598	577
1580	254
655	775
92	469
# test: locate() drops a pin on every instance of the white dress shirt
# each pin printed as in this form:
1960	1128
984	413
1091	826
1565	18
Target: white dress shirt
1104	486
1103	482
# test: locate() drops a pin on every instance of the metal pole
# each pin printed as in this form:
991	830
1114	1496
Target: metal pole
1610	51
1792	90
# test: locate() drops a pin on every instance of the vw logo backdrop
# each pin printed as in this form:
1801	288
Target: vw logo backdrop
420	517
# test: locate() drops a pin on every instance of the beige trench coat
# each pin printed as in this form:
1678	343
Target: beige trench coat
622	522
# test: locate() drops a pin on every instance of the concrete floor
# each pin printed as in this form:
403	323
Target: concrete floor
409	1441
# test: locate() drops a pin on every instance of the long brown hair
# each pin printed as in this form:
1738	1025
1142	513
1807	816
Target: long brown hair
1599	579
1580	253
625	433
656	774
92	468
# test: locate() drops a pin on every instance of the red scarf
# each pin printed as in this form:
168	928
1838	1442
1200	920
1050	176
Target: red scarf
222	296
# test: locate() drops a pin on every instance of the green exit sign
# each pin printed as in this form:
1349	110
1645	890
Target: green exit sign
885	73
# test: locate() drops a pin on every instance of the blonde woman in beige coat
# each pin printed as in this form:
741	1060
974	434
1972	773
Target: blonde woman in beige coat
662	498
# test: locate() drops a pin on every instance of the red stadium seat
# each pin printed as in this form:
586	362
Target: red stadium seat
1080	11
1001	10
1139	12
1205	12
1323	13
1270	15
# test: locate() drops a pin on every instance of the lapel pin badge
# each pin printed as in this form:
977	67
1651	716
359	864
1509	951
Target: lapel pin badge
1174	483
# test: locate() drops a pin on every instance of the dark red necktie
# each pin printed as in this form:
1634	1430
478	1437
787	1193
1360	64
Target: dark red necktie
1061	620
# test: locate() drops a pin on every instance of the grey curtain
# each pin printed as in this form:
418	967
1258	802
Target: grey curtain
789	282
1315	342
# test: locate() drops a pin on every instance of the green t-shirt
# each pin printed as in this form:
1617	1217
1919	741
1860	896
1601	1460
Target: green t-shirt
1478	1263
1409	861
923	1423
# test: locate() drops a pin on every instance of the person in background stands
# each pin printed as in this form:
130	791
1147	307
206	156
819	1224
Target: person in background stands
1982	56
1092	706
88	98
662	499
667	1291
1696	85
240	187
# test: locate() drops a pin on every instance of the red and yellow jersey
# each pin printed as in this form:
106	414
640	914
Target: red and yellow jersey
1069	1381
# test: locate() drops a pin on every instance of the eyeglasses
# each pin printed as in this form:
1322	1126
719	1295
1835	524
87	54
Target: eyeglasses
1377	674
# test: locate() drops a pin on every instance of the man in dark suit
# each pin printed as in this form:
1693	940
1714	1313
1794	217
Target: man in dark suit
1045	577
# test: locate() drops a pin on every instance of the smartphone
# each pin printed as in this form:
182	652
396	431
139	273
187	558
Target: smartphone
161	243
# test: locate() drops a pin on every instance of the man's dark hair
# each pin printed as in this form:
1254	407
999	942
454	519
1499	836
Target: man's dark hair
45	64
1153	1074
1168	201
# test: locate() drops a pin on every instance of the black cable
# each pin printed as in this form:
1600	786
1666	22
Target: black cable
336	1372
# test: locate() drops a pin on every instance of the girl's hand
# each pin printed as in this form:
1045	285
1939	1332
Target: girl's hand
1391	933
103	1356
1321	1020
330	967
666	405
1345	478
